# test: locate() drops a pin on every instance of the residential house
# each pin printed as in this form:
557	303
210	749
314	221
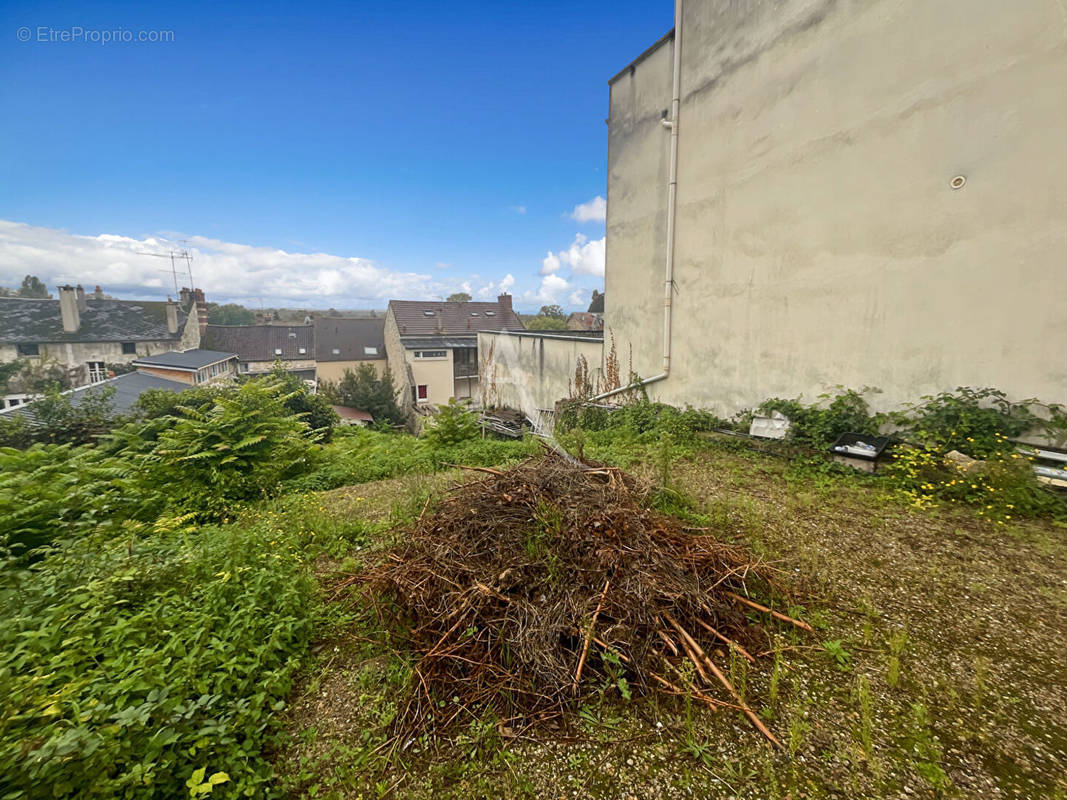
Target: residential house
345	343
433	345
89	334
585	321
865	194
259	347
191	367
172	371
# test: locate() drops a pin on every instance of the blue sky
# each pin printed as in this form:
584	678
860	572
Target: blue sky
357	149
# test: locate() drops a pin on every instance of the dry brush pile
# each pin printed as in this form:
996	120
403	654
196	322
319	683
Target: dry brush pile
527	591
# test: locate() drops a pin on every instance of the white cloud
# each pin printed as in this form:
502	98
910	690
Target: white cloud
550	264
226	271
550	290
596	210
577	297
518	209
493	289
584	256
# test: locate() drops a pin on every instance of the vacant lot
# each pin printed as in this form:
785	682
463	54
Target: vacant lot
938	666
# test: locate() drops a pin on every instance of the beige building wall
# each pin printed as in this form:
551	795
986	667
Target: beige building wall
394	355
435	373
529	372
334	371
819	241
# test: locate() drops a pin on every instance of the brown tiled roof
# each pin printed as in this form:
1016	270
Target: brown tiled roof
435	317
348	335
259	342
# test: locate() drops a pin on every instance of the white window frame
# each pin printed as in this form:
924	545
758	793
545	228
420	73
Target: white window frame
370	351
97	371
437	355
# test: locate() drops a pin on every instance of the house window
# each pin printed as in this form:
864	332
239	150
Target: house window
97	371
301	350
129	348
490	313
29	350
336	351
431	354
277	351
14	401
423	391
244	366
370	351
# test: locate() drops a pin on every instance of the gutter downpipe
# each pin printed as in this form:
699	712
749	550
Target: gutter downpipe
672	192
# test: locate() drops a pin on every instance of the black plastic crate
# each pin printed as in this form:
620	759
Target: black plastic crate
879	443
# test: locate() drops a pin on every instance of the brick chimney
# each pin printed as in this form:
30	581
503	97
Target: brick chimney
172	316
183	297
82	304
68	309
504	301
201	309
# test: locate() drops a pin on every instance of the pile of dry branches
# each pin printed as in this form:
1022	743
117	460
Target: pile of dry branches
530	590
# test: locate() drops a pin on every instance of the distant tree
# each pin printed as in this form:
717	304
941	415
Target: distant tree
363	389
229	314
596	305
540	323
458	297
33	287
552	311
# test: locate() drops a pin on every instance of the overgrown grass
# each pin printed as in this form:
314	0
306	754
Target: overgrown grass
361	455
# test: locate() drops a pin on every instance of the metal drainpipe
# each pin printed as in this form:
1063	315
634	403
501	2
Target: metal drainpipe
672	192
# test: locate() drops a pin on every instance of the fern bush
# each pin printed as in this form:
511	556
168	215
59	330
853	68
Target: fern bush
238	448
48	492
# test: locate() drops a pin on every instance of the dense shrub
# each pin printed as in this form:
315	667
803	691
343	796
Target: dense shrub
976	421
1000	488
237	449
128	662
820	424
49	491
452	424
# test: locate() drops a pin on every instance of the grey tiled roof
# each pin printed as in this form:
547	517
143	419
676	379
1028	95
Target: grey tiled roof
259	342
127	388
24	320
430	317
349	336
189	359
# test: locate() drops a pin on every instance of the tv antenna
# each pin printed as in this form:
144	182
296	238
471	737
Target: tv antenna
175	256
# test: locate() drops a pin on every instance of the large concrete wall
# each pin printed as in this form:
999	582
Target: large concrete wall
529	372
818	239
